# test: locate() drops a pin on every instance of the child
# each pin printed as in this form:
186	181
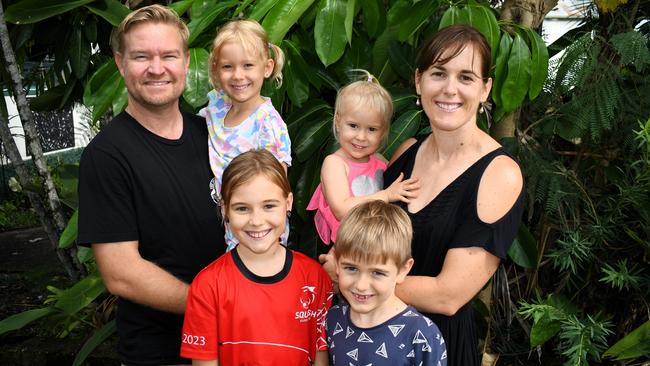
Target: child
354	173
260	303
238	117
373	254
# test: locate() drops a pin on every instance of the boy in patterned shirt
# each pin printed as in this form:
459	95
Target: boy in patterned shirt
373	255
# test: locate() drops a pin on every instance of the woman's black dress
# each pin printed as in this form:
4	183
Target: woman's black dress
450	220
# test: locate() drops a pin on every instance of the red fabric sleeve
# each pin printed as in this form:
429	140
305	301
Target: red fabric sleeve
200	334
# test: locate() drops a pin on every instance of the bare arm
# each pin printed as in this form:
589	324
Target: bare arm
128	275
466	270
334	181
205	362
321	359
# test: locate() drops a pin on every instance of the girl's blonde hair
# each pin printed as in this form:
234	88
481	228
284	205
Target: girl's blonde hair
249	165
253	39
369	94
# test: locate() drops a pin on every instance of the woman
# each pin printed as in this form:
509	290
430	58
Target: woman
471	191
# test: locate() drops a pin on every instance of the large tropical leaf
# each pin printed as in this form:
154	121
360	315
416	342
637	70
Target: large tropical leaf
282	17
79	55
95	340
197	85
82	293
539	63
524	249
634	345
403	128
111	10
483	19
180	7
295	72
515	86
261	8
69	234
104	86
21	319
32	11
304	188
453	15
330	40
374	16
302	117
312	136
350	12
200	23
501	67
419	15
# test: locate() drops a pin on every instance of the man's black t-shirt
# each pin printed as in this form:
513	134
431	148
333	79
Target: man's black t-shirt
135	185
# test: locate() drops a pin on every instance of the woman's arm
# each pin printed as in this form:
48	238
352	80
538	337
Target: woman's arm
466	270
334	182
205	362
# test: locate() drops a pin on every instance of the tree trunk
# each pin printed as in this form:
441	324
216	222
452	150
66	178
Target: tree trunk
58	221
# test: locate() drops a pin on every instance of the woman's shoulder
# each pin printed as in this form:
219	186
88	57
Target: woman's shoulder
500	187
402	148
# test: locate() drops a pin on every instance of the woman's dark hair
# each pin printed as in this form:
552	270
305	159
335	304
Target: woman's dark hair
451	41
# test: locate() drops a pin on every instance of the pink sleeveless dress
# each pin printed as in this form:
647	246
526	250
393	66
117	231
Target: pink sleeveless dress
363	179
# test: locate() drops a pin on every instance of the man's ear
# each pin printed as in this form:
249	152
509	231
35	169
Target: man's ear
118	62
404	270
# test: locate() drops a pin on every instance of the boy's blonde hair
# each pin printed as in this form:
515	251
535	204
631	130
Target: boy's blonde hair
249	165
253	39
148	14
369	94
375	231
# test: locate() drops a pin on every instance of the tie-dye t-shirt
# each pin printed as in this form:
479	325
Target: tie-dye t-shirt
263	129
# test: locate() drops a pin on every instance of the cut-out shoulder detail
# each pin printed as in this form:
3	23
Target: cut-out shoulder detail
401	148
499	188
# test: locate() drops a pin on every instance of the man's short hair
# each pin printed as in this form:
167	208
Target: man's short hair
154	14
375	231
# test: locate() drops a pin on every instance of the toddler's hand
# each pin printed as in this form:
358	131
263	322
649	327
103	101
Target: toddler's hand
403	190
329	265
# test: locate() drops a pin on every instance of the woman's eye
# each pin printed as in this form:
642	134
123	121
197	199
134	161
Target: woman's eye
438	75
466	78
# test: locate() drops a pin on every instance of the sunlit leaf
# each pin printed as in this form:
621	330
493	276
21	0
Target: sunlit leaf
515	86
197	84
82	293
349	19
200	23
501	67
539	63
282	17
261	8
32	11
330	41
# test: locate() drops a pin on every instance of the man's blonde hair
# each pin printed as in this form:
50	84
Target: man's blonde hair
253	39
375	231
148	14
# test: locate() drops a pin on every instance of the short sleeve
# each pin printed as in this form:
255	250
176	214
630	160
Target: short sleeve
106	208
200	336
496	237
274	136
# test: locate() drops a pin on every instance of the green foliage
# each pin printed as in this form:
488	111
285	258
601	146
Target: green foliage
636	344
15	215
624	276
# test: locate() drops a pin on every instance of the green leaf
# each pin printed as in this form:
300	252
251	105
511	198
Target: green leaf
380	50
95	340
105	85
402	59
120	99
515	86
261	8
90	30
180	7
300	118
483	19
501	70
282	17
69	234
82	293
21	319
111	10
543	329
296	74
304	188
404	127
524	248
312	136
79	53
197	84
419	15
634	345
200	23
68	179
374	17
32	11
453	15
539	63
349	19
330	41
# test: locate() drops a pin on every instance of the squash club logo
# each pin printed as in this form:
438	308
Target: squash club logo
306	298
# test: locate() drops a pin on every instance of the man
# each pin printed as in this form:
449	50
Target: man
145	202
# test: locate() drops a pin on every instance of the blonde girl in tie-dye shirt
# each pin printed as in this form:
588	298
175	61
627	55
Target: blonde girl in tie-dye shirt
239	118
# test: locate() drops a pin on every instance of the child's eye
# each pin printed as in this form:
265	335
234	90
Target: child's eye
240	209
248	66
373	129
226	67
379	274
353	125
350	269
270	206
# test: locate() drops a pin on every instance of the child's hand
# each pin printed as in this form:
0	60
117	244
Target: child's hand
329	265
403	190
